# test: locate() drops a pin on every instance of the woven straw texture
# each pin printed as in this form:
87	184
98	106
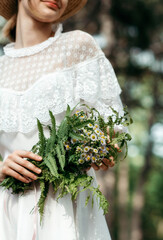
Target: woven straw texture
9	8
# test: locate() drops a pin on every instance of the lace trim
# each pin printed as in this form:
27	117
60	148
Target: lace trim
94	82
10	51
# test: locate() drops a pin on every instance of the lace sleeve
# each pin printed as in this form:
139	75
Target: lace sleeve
97	86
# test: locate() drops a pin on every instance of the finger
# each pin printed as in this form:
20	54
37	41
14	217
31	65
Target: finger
104	167
87	169
16	175
28	165
19	169
111	164
96	168
108	130
106	161
26	154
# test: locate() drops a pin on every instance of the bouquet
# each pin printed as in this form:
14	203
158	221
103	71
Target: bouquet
80	140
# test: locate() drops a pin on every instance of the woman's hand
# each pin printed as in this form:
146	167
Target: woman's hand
16	166
106	163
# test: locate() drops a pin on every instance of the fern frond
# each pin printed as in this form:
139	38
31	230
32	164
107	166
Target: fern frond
50	162
44	186
53	129
61	157
42	139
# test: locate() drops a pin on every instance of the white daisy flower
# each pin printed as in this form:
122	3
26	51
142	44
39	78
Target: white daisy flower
103	142
73	141
78	149
96	125
103	148
67	147
90	125
81	161
93	137
85	130
83	155
77	112
89	133
95	150
86	149
97	131
94	159
98	156
82	117
88	158
107	149
102	137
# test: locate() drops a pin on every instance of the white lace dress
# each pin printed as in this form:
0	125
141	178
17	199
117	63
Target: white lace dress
65	69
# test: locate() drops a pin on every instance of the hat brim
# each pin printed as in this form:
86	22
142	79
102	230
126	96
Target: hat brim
9	7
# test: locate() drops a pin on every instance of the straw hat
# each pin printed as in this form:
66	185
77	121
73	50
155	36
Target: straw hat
9	7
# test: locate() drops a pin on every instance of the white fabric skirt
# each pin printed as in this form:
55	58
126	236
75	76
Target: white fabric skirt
62	220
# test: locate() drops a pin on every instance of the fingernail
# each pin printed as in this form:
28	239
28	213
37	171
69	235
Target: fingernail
39	170
39	158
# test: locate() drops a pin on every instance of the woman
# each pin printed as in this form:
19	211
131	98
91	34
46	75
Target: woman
43	69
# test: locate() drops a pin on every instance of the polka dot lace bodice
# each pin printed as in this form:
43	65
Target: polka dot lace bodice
61	70
21	68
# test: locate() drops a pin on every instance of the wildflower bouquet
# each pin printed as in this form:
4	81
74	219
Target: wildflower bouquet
80	140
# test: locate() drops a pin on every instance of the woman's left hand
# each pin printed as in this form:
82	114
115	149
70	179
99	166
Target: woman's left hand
106	163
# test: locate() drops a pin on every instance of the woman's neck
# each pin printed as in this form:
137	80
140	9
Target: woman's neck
30	32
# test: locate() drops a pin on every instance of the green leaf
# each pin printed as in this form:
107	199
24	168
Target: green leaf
82	124
63	129
51	164
53	129
61	157
77	136
44	186
42	139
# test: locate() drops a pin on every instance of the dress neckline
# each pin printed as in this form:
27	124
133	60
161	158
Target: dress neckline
11	51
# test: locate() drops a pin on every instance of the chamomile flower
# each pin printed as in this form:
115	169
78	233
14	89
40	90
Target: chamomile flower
85	130
101	152
73	141
93	137
90	125
94	159
83	155
89	133
96	125
102	137
77	112
97	131
107	149
67	147
103	142
98	156
81	161
103	148
95	150
78	149
88	158
82	117
86	149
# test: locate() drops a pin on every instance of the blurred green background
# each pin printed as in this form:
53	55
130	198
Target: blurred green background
130	32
